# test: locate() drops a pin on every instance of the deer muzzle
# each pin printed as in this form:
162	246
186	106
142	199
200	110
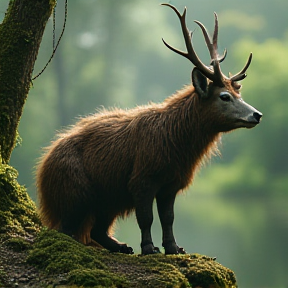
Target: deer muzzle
251	116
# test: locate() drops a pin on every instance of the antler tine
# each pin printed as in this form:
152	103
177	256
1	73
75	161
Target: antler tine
215	40
222	58
175	10
212	47
242	74
207	40
180	18
215	34
175	50
191	55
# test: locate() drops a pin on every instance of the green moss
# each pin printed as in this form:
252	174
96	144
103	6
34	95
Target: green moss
96	277
17	211
56	253
18	244
158	270
203	271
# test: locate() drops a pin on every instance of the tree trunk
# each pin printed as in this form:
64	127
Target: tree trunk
20	37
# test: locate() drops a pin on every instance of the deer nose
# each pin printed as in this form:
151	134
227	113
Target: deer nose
257	116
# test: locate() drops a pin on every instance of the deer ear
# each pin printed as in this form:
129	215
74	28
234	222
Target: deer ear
199	82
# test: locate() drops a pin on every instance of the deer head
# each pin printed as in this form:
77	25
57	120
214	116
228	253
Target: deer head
212	85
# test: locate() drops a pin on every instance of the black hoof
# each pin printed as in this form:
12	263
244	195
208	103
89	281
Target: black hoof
181	250
123	248
174	249
150	249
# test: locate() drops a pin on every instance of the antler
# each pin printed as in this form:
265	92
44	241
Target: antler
242	74
216	74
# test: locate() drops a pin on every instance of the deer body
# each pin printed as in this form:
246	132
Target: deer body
117	161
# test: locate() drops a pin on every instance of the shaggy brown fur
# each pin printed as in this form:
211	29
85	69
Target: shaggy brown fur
100	162
112	162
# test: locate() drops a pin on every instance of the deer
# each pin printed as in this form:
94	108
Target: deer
116	161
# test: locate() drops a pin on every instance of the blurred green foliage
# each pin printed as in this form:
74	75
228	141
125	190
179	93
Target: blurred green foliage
112	55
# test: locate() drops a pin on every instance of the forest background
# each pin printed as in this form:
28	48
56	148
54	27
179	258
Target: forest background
112	55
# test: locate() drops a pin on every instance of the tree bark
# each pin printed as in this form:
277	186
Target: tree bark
20	36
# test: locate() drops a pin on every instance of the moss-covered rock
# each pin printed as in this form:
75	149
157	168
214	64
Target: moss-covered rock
18	244
56	253
17	211
96	277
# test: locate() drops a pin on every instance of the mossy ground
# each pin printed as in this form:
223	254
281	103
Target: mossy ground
56	253
55	258
61	260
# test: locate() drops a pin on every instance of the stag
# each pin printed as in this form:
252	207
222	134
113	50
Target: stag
118	161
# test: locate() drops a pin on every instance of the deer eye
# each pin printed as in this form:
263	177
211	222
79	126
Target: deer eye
225	96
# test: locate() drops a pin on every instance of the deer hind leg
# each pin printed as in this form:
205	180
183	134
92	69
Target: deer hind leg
82	233
101	233
78	227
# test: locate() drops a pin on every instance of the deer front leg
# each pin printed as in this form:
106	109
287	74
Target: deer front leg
165	205
144	214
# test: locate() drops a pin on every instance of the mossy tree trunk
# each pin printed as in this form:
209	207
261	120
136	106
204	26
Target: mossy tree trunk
20	36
